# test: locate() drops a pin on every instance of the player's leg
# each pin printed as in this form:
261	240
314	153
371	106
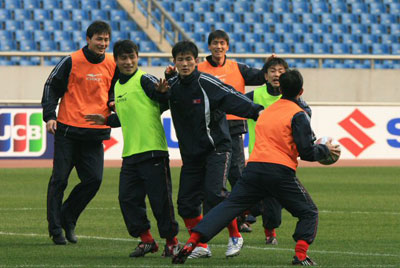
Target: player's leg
272	218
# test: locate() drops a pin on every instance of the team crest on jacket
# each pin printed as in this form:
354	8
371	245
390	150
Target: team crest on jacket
196	101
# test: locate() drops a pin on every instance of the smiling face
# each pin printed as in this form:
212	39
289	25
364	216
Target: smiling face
273	73
127	63
185	63
218	48
98	43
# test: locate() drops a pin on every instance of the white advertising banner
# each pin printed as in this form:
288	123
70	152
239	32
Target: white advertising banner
364	132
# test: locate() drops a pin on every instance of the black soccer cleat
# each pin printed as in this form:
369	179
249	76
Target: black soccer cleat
306	262
183	254
59	239
170	251
144	248
70	233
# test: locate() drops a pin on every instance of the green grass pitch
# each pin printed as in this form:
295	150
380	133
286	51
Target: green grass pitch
359	224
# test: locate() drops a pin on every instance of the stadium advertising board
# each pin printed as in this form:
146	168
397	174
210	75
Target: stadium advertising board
364	132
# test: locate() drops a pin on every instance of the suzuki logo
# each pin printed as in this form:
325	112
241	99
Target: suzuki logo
363	140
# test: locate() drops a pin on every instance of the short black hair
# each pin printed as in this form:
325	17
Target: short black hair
273	62
125	46
218	34
185	47
98	27
291	83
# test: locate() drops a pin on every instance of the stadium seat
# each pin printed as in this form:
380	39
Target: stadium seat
290	18
359	49
201	27
41	14
12	4
282	28
222	6
358	8
199	37
127	25
227	27
190	17
369	39
358	29
90	4
389	39
300	28
262	48
182	7
394	8
27	45
13	25
120	35
395	47
241	27
320	48
5	14
368	18
147	46
60	14
319	28
51	25
39	35
261	28
338	48
281	48
271	38
31	25
319	7
329	38
328	18
234	37
301	7
349	38
394	29
339	28
376	8
70	4
51	4
310	18
137	36
339	7
348	18
8	45
302	48
241	47
241	6
291	38
47	45
79	14
270	18
23	35
379	29
63	35
67	45
109	5
280	7
22	14
6	35
310	38
261	7
200	7
252	37
210	17
389	18
71	25
98	14
230	17
250	17
380	49
31	4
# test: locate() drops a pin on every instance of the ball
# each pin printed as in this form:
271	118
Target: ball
331	158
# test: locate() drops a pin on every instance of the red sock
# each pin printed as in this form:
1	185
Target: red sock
233	229
301	249
269	233
194	239
172	242
146	237
190	224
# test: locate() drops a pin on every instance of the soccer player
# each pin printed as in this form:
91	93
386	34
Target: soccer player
82	80
283	133
198	102
145	166
238	75
270	209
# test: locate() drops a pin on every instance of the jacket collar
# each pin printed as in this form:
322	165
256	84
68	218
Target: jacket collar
91	56
213	63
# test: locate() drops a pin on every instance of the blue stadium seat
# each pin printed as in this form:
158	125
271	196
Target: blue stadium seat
13	25
270	18
291	38
127	25
395	47
261	28
211	17
31	4
319	28
241	47
109	5
5	14
388	18
339	28
395	29
60	14
282	28
241	6
12	4
39	35
388	39
98	14
338	48
271	38
70	4
51	25
222	6
8	45
51	4
67	45
379	29
301	7
6	35
310	18
90	4
319	7
302	48
328	18
311	38
280	7
368	18
349	38
235	37
251	37
27	45
22	14
241	27
200	7
51	61
199	37
369	39
261	7
137	36
281	48
250	17
190	17
23	35
376	8
358	29
359	49
290	18
329	38
201	27
230	17
120	35
79	14
339	7
47	45
114	25
186	26
380	49
227	27
349	18
62	35
182	7
147	46
359	8
262	48
320	48
71	25
394	8
41	14
300	28
328	63
77	36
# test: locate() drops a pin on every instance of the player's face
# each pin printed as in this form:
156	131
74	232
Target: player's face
127	63
185	63
99	43
273	74
218	48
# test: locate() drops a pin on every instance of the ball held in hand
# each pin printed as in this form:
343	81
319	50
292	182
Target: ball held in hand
332	158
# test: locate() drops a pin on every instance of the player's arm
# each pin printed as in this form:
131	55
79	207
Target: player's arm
303	104
54	88
251	76
111	96
98	119
303	138
250	95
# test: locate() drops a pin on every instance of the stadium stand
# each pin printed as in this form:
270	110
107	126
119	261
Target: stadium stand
294	26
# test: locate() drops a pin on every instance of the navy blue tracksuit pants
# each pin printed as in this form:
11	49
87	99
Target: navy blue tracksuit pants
260	180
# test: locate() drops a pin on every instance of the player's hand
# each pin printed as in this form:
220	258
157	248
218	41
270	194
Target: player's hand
111	105
95	119
273	55
51	126
333	149
162	86
170	70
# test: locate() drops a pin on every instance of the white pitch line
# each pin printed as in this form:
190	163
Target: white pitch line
217	245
